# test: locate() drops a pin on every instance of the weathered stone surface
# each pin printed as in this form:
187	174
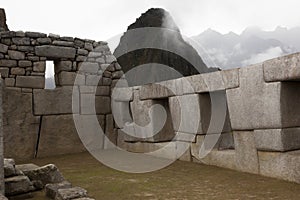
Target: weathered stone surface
110	140
103	91
226	141
30	82
16	55
44	40
9	82
64	137
185	112
52	189
4	72
25	63
155	91
122	94
89	67
231	78
9	167
58	101
101	104
224	159
277	139
21	41
62	66
17	71
8	63
255	104
63	43
26	167
46	174
35	34
68	79
282	68
70	193
39	66
55	51
17	185
280	165
245	152
3	197
17	119
3	48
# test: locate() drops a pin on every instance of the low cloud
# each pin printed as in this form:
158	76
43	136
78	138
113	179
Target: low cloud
266	55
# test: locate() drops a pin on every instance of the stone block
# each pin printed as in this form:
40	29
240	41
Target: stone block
277	139
44	40
231	78
39	66
16	55
225	159
89	67
26	167
36	82
103	91
283	68
155	91
57	101
52	189
45	174
35	35
245	152
280	165
185	112
207	82
63	43
68	79
21	41
255	104
17	185
25	63
110	141
4	71
226	141
53	52
64	136
62	66
122	94
19	144
91	104
70	193
8	63
3	48
17	71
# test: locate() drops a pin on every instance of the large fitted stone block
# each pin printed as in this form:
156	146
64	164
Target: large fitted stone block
20	125
224	159
155	91
245	152
283	68
277	139
231	78
185	112
91	104
50	51
284	166
37	82
68	78
57	101
255	104
58	136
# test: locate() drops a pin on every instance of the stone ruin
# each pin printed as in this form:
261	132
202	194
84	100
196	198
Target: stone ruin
261	133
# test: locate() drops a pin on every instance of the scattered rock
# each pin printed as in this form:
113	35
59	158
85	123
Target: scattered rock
17	185
9	167
70	193
52	189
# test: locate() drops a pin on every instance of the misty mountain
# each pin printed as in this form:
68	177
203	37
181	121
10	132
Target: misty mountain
252	46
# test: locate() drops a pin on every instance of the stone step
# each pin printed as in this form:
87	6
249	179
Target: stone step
17	185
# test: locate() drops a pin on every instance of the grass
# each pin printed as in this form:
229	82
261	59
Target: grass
181	180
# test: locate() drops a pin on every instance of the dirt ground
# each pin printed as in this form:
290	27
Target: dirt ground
181	180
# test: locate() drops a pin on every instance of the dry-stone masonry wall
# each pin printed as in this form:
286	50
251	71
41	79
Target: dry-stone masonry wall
261	132
39	122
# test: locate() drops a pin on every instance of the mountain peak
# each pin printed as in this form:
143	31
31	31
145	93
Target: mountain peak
155	17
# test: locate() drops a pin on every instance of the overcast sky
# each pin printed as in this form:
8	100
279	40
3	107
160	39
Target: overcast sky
101	20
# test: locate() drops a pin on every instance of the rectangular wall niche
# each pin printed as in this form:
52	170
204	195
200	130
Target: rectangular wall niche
49	76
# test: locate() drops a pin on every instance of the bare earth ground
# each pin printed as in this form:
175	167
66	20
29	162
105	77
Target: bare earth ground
181	180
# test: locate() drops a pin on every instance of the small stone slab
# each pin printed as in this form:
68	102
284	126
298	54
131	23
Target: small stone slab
17	185
50	51
70	193
52	189
9	167
46	174
27	167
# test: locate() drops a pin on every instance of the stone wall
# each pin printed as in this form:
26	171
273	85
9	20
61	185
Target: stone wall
260	133
38	122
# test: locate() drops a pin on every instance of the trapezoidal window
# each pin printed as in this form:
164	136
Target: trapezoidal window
49	76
